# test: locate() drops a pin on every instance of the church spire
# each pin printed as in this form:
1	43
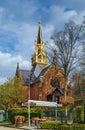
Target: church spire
17	70
39	57
39	37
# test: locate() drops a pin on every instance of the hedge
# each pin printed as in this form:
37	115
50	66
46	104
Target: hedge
17	112
34	112
50	124
58	126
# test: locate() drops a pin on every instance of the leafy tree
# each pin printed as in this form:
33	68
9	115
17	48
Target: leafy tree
6	101
20	91
12	93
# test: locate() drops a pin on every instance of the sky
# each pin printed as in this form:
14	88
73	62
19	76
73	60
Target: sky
19	26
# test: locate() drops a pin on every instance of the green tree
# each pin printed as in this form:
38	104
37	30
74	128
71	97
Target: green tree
6	92
6	101
20	91
12	92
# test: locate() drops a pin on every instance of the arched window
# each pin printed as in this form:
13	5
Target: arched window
55	82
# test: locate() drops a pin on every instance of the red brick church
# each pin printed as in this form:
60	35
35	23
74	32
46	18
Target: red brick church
46	81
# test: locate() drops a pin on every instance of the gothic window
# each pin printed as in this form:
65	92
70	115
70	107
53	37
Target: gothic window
55	82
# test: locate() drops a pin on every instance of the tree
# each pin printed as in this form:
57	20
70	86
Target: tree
66	45
78	86
82	63
13	92
6	93
78	78
20	91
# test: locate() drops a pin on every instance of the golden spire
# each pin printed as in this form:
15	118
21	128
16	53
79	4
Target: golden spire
39	57
39	37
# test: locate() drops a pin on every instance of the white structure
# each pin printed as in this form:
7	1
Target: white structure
43	103
37	103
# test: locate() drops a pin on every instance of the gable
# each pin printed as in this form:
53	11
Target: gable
25	74
59	90
36	72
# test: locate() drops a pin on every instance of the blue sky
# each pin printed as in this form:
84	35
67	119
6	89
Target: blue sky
19	24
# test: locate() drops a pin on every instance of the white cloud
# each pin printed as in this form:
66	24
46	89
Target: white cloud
69	14
7	60
26	36
58	16
79	17
8	65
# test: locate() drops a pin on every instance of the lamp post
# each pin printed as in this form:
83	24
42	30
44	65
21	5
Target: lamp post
56	108
29	101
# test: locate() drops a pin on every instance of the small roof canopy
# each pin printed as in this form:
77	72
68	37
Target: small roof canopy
43	103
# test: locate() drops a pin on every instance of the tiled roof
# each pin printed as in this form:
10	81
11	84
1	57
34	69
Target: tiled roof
44	70
36	70
39	71
25	76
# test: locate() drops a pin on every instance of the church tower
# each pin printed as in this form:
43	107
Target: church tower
39	57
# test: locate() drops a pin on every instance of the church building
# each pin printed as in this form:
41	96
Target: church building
45	81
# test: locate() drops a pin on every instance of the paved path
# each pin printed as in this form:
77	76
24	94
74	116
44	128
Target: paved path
8	128
22	128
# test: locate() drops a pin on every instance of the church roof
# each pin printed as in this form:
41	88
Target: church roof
25	74
36	70
43	71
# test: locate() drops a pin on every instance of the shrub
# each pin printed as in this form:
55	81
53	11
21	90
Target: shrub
50	124
17	112
58	126
34	112
79	114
